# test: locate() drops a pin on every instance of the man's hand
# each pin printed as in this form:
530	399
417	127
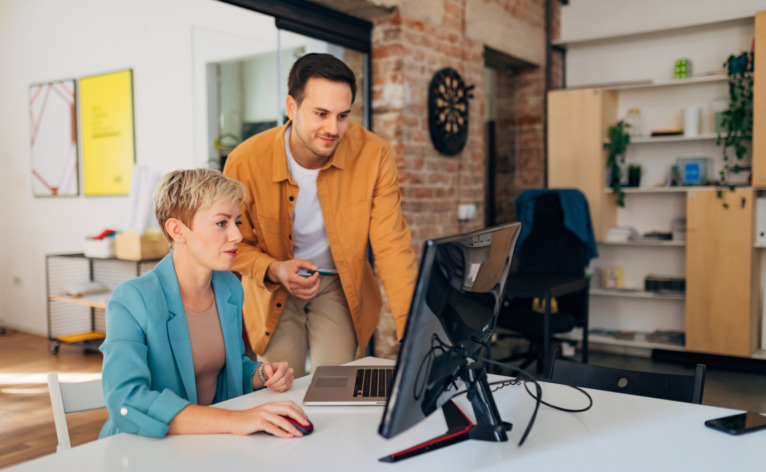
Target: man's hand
286	273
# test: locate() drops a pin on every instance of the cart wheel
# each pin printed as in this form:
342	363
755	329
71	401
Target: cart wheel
53	348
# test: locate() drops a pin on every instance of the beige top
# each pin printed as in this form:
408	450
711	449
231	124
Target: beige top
208	351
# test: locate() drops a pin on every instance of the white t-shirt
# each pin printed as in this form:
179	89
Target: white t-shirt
309	235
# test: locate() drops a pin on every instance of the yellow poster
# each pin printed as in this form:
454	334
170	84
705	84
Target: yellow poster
108	145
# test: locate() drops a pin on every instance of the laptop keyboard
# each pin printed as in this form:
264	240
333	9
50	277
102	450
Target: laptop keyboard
373	382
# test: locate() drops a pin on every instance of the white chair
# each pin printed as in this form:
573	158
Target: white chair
71	398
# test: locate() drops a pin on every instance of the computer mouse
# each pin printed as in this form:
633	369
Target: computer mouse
305	429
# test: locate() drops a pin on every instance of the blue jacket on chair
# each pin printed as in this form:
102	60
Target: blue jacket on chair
574	205
148	372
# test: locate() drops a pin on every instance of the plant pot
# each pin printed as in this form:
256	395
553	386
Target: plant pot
634	180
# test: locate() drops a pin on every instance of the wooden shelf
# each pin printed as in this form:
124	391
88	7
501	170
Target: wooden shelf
97	300
721	21
644	243
622	293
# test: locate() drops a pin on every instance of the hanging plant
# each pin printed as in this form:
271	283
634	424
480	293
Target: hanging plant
616	146
737	124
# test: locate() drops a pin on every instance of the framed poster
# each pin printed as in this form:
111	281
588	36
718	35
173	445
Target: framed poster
53	139
108	140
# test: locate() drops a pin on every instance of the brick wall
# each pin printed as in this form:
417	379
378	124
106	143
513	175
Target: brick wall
406	54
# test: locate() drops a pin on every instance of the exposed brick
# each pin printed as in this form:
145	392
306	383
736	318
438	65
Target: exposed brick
406	53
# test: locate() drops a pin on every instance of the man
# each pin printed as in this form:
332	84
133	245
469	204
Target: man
318	188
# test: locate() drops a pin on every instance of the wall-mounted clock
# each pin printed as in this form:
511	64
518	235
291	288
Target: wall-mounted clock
448	111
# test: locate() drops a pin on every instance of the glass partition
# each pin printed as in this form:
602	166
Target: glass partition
242	86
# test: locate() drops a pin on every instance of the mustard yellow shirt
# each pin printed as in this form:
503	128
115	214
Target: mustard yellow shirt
358	191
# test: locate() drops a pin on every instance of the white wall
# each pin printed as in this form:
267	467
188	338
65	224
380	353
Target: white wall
588	18
42	40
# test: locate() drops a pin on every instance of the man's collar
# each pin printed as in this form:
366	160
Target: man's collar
281	172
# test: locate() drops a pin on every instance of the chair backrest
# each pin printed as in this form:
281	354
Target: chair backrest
551	248
71	398
679	387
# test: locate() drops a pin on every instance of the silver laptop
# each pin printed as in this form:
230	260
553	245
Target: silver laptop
350	385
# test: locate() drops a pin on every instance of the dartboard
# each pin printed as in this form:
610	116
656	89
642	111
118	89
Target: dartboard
448	111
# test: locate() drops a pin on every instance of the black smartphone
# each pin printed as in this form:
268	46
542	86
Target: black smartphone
738	424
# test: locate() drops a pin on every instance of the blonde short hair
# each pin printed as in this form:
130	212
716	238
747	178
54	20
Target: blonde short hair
182	193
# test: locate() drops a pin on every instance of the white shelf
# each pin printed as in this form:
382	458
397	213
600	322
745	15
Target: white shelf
649	83
671	139
660	189
644	243
605	292
584	40
599	339
671	82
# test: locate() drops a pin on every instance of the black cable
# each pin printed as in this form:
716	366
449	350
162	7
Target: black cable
538	399
525	376
530	378
561	408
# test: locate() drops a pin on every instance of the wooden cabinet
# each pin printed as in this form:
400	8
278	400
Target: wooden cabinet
721	284
759	102
577	124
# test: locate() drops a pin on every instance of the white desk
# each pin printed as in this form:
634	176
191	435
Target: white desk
620	433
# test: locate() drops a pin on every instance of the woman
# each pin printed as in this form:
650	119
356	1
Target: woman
174	335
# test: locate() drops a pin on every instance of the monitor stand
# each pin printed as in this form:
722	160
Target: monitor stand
489	427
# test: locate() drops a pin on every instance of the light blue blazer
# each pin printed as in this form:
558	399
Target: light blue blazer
148	372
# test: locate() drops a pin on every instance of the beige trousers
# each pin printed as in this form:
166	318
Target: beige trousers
323	323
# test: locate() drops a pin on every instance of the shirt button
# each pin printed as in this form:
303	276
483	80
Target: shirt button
267	333
279	305
292	198
124	411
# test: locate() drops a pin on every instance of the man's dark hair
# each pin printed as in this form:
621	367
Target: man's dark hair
325	66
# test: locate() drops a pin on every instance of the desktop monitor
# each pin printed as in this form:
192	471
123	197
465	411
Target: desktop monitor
453	312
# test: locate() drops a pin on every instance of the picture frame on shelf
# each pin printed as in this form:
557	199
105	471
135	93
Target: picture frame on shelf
693	171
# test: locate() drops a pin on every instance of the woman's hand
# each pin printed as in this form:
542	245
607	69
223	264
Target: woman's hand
270	419
279	376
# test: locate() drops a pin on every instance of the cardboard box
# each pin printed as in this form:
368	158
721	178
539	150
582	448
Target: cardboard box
139	248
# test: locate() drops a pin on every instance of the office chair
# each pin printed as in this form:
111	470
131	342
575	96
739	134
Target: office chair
71	398
678	387
555	247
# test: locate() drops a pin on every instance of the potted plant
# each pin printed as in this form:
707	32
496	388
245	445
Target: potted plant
616	145
634	175
737	123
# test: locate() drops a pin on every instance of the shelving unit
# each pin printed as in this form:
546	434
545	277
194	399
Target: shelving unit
578	121
80	320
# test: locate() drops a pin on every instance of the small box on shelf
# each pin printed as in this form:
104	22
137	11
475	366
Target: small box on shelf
133	247
102	248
